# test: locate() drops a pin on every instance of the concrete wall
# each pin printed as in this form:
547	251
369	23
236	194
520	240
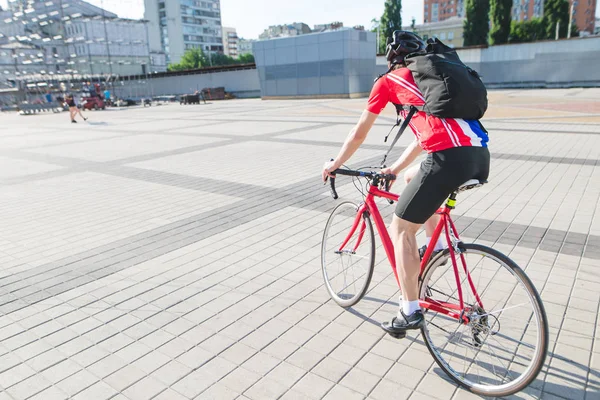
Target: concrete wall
241	83
563	63
336	64
291	73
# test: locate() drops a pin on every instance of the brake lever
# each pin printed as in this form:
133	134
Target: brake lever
387	189
332	185
332	188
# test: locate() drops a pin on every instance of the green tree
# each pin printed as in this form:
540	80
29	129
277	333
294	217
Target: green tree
391	20
501	21
192	59
574	30
195	58
556	11
376	28
477	24
527	31
221	59
247	58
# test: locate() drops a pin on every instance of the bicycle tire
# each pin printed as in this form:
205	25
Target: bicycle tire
350	209
541	348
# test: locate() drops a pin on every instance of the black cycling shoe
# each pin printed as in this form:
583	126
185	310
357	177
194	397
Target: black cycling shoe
397	327
422	251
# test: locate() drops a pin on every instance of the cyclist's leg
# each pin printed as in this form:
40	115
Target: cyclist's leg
438	175
407	257
432	222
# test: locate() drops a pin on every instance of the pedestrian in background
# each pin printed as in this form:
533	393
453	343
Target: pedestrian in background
73	110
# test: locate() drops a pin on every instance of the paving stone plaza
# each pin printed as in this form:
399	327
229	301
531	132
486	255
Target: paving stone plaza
173	252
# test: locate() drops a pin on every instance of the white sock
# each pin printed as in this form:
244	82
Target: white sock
409	307
438	246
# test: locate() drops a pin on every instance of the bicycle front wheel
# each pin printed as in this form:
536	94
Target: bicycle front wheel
503	347
347	254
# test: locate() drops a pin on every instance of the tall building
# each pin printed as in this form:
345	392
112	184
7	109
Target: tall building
230	42
178	25
439	10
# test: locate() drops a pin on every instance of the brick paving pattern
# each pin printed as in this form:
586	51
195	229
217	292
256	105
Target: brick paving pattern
174	252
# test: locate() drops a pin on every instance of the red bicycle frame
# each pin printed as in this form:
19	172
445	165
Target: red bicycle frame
456	311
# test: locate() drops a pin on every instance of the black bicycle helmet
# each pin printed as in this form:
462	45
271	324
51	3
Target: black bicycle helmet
401	44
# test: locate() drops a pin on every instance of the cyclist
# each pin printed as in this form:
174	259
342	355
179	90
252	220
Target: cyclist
456	152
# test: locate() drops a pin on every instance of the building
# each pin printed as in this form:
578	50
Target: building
332	64
449	31
597	28
230	42
584	12
245	46
524	10
294	29
67	7
117	46
78	39
334	26
179	25
439	10
9	28
21	58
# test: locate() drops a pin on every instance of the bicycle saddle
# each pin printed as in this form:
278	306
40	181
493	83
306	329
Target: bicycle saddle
470	184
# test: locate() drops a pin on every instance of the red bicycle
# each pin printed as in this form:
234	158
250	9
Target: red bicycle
485	324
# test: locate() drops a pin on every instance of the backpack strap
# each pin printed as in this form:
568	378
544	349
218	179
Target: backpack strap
385	73
411	113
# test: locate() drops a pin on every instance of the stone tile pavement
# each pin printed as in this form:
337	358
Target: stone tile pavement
173	252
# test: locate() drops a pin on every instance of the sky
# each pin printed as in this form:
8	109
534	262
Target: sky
251	17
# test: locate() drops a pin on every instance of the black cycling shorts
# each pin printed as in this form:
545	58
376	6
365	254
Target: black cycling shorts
440	174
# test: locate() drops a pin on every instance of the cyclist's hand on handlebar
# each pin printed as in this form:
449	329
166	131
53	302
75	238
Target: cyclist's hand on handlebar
327	169
388	171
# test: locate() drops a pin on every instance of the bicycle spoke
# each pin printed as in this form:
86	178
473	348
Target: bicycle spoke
503	309
348	273
496	349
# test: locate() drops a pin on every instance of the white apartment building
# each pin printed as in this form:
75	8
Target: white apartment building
230	42
178	25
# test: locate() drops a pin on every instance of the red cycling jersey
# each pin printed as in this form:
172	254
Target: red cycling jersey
433	133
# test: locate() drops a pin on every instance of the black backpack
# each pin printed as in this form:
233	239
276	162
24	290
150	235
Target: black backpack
451	89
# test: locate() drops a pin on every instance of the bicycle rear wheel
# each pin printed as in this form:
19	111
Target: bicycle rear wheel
503	347
347	270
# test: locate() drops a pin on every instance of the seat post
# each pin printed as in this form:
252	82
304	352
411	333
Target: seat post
451	202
